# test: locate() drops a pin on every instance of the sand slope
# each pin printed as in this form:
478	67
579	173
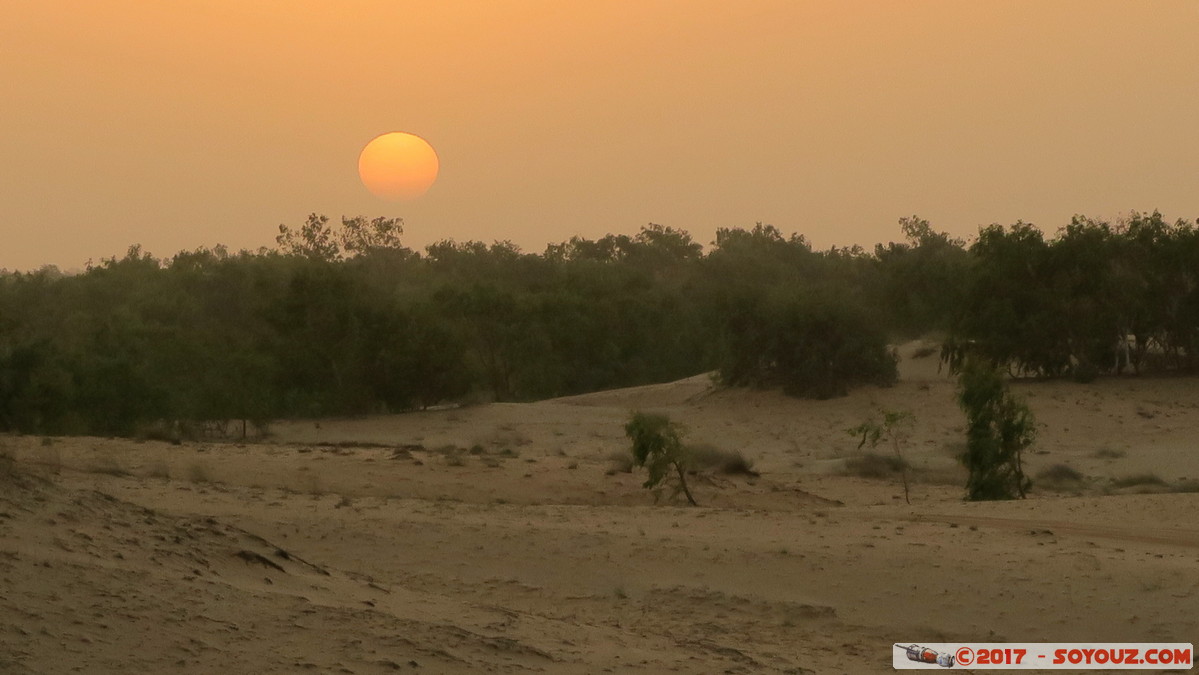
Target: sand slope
494	539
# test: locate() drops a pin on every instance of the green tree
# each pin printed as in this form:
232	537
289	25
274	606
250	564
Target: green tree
658	446
999	428
813	347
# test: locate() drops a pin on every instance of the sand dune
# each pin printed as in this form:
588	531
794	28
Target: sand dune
496	539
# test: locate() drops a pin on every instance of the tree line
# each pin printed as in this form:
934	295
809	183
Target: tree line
340	318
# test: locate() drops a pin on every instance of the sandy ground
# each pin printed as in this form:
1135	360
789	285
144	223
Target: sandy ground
496	538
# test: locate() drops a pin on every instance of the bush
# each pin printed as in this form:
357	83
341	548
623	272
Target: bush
999	428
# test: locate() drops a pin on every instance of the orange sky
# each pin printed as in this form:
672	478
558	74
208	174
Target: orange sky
194	122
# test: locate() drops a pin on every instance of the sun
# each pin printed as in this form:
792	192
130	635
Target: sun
398	166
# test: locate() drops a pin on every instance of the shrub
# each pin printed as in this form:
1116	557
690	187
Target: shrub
999	428
895	428
657	446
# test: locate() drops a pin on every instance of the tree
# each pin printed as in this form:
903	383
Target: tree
813	347
657	446
316	239
999	428
895	428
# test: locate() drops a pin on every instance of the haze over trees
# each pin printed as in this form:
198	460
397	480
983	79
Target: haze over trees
341	318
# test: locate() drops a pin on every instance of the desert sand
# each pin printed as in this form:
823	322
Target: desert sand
497	538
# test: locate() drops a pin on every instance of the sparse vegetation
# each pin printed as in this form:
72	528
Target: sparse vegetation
894	428
999	428
658	447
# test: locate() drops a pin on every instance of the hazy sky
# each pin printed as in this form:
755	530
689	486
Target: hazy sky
195	122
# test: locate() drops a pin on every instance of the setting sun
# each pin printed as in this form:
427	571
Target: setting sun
398	166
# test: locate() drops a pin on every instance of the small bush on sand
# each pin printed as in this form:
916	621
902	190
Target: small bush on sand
1108	453
999	429
874	465
657	446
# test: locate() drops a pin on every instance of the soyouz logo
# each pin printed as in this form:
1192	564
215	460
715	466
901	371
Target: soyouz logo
1043	656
